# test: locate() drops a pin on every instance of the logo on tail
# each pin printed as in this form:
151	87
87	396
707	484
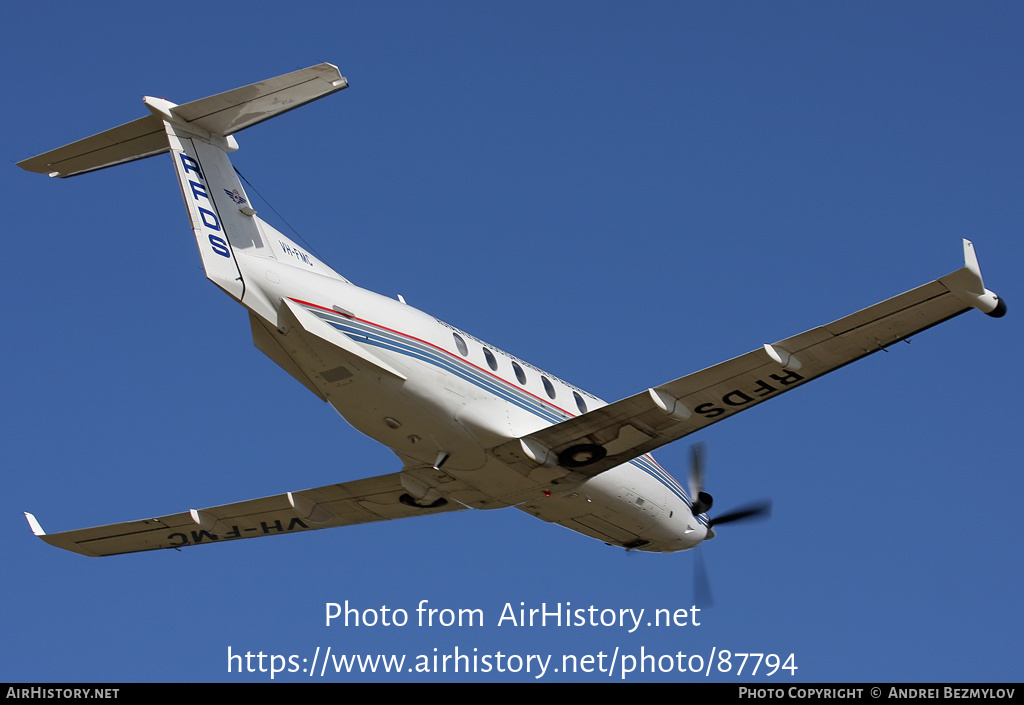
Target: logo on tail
235	196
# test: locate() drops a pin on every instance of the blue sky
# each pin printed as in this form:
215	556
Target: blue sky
619	194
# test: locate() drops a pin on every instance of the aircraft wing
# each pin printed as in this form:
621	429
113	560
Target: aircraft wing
358	502
615	434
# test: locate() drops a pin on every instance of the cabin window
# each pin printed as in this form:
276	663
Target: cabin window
520	375
580	404
548	387
491	362
461	345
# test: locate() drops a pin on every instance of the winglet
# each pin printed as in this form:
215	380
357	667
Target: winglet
58	540
967	285
971	259
34	524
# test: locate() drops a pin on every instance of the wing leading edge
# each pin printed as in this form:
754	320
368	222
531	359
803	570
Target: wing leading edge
359	502
615	434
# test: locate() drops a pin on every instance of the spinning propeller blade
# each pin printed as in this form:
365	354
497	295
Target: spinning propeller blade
750	511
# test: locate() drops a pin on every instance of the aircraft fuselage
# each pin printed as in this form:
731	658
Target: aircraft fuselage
459	399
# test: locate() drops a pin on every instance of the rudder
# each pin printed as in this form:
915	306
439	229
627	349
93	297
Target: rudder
203	172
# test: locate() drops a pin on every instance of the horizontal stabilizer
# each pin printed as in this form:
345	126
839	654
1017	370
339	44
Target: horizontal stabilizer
233	111
219	115
134	140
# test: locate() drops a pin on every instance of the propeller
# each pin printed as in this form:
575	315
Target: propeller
750	511
702	502
701	581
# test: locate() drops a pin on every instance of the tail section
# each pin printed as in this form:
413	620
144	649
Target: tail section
216	206
198	135
217	116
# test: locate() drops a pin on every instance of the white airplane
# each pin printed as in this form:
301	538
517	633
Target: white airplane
473	426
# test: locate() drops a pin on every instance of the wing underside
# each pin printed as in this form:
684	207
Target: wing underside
359	502
617	433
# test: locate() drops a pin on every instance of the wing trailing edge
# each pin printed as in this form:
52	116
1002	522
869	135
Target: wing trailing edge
636	425
373	499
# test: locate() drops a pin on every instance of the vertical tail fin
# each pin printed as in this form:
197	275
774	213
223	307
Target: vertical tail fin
216	204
